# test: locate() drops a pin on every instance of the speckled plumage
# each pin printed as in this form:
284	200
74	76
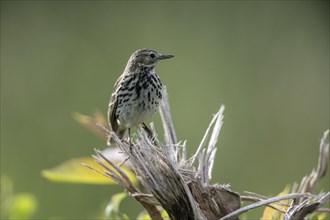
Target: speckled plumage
137	92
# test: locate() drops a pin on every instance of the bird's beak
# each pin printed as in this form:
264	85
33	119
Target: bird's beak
165	56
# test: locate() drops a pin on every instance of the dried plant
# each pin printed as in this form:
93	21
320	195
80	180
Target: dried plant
181	185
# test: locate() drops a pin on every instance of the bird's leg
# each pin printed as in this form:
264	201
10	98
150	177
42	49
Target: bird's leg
149	132
129	140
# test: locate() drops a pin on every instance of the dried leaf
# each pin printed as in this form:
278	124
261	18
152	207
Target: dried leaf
91	122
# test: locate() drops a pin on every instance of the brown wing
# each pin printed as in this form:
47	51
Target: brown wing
112	119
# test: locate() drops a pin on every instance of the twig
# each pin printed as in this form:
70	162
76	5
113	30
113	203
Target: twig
167	120
309	182
263	203
262	197
255	199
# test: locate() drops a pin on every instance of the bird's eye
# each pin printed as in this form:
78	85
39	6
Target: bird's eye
152	55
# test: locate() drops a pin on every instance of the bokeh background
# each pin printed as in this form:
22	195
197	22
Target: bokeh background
266	61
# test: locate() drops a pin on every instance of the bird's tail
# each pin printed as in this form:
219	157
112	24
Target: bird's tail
121	135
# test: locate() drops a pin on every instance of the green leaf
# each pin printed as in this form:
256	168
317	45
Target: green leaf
320	216
15	205
270	213
145	216
23	206
112	210
73	171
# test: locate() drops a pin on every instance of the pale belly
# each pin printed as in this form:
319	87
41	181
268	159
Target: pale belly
137	110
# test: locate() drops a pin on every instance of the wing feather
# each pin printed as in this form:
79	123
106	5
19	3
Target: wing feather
112	119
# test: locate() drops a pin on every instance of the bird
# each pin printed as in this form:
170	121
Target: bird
136	95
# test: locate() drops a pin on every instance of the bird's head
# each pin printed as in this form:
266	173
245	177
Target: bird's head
146	58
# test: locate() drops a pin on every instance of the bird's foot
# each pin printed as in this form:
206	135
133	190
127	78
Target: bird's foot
128	142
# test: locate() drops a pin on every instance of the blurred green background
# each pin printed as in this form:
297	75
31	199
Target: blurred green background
266	61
